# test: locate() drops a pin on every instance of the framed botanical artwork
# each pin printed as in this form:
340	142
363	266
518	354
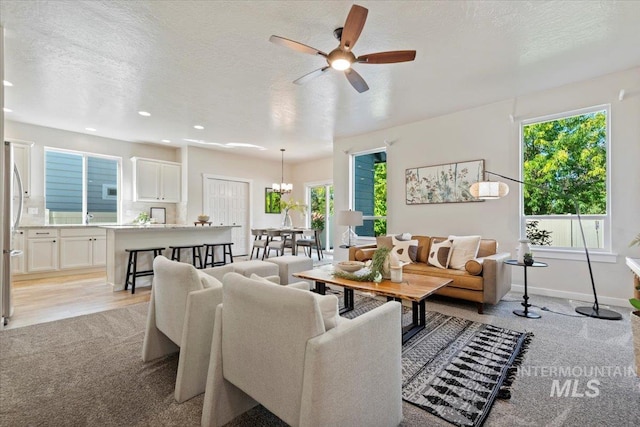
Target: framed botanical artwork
271	201
159	215
446	183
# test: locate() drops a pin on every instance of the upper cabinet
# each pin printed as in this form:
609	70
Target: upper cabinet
156	181
22	159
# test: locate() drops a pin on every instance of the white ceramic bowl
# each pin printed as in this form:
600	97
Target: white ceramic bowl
350	266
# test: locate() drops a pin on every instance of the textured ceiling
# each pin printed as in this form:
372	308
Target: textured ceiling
97	63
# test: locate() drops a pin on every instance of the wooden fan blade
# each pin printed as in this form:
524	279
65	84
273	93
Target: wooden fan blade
296	46
310	76
388	57
353	27
356	80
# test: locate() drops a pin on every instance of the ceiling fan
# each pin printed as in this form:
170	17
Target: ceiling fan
342	58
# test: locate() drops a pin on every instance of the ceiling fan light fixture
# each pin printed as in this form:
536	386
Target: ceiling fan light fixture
340	60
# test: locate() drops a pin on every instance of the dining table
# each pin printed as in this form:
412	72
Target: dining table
291	233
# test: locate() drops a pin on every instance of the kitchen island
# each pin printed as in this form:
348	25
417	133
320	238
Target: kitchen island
121	237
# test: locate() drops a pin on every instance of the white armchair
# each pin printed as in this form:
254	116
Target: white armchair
181	314
271	346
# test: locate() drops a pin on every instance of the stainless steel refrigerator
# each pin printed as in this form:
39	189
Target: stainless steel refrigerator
14	198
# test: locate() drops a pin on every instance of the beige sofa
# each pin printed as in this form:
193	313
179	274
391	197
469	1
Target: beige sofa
485	280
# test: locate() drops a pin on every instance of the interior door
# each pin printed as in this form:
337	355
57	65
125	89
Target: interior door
227	203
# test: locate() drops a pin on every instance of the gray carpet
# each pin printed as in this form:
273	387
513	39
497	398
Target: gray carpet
88	371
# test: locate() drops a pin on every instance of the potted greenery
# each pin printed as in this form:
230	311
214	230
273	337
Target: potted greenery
528	258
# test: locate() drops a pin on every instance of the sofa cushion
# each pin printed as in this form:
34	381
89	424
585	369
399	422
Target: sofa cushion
464	248
440	254
474	266
365	254
461	279
384	242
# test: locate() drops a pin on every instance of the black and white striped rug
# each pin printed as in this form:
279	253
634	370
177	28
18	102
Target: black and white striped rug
456	368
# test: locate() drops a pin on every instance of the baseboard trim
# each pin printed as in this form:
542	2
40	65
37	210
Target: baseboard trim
577	296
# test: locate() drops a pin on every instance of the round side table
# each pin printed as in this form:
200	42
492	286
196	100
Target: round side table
525	304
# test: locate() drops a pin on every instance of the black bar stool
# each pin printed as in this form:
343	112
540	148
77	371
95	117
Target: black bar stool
209	254
195	253
132	267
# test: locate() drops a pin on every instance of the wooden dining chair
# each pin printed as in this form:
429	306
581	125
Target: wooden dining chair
276	241
259	242
310	240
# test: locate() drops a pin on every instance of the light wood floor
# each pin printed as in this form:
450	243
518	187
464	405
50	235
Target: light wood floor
55	298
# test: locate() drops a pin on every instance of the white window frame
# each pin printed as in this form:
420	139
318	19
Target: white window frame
85	155
352	162
596	254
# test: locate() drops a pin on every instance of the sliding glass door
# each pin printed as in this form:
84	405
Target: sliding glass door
320	202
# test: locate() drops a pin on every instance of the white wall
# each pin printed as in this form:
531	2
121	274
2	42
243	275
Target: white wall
487	133
262	174
56	138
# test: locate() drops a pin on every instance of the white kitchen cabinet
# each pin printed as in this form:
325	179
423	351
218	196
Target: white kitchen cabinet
18	262
42	250
156	181
82	248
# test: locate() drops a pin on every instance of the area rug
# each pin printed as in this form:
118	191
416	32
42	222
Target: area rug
456	368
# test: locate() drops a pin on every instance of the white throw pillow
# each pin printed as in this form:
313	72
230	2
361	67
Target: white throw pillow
208	281
440	253
329	309
328	304
401	249
464	248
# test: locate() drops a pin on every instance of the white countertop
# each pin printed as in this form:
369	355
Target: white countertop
127	226
160	227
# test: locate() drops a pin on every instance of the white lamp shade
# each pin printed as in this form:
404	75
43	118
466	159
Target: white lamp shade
489	190
349	218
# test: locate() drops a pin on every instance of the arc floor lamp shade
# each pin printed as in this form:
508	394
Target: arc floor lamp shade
489	190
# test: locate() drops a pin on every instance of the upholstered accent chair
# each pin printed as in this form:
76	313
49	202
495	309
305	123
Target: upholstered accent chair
288	350
181	315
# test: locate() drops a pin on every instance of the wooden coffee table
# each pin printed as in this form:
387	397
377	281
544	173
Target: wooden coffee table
414	287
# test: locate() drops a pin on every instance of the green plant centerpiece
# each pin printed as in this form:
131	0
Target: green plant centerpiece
367	274
291	205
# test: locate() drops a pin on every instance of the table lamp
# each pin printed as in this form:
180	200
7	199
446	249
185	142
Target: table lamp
350	219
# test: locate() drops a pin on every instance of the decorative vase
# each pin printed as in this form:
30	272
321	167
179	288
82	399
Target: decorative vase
528	261
635	331
286	221
396	274
523	248
389	262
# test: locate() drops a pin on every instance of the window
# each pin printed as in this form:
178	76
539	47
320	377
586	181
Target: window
80	186
369	186
565	165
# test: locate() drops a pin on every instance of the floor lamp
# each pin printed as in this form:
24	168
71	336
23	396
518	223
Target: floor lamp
350	219
495	190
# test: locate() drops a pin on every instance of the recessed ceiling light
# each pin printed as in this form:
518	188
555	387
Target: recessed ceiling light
7	83
90	129
166	140
7	110
199	127
144	113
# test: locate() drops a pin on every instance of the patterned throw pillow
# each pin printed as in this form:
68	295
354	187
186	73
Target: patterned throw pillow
464	249
439	254
402	249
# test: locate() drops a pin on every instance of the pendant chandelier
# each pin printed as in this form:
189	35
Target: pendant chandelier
283	187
